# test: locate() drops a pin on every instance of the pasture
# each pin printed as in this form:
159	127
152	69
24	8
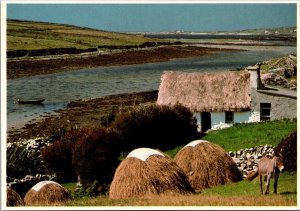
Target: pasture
28	35
243	193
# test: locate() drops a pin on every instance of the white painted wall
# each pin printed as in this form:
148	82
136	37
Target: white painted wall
218	119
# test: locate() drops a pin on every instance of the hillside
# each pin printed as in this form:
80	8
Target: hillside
292	31
29	35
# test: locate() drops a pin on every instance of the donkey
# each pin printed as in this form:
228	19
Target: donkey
268	167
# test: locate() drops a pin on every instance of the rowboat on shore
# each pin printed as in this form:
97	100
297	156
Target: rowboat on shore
37	101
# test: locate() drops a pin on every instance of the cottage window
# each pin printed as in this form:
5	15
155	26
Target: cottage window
265	111
229	116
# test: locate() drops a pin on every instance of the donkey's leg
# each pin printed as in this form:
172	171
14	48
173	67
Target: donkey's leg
268	183
276	176
260	182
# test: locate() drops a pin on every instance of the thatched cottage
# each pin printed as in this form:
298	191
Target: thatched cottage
219	99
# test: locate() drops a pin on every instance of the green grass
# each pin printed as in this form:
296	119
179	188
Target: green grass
243	193
28	35
246	135
242	136
287	185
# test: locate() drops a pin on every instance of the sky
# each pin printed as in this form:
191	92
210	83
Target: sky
197	17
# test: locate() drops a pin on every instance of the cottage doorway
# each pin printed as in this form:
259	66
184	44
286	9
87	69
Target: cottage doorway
205	121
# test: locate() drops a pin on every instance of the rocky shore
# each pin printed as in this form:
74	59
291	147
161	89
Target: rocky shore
281	72
81	113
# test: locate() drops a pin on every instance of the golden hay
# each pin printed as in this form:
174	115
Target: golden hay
13	198
201	91
154	174
46	192
206	165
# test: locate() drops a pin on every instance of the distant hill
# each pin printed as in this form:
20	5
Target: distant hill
280	31
30	35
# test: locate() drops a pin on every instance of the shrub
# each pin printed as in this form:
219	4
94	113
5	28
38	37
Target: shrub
107	119
23	158
288	149
155	126
95	156
58	156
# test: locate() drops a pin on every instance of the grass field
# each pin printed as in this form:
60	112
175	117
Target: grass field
244	193
28	35
242	136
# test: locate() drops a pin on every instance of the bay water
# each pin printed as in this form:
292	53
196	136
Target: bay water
60	88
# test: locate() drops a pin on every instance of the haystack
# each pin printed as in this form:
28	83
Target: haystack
147	171
46	192
13	198
207	165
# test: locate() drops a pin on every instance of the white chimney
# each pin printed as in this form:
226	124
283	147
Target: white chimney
255	76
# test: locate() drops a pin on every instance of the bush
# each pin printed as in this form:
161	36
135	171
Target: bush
288	149
95	156
154	126
23	158
107	119
58	156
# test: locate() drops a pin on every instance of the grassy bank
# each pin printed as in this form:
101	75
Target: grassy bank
29	35
244	193
242	136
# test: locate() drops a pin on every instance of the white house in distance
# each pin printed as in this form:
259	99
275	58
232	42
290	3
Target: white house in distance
220	99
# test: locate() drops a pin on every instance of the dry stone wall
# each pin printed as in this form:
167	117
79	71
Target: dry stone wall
247	159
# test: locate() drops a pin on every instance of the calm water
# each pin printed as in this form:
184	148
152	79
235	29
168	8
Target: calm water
60	88
285	40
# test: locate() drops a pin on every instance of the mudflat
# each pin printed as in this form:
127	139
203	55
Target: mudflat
30	66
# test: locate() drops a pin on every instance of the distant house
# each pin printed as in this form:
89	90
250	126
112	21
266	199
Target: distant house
220	99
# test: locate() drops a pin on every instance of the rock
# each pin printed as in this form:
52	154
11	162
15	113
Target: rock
247	159
248	155
243	165
28	177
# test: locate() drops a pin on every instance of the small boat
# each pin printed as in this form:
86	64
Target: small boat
38	101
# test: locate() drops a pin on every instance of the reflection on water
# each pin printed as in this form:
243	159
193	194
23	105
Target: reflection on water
60	88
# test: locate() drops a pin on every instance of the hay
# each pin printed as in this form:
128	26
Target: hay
219	91
46	192
207	165
158	174
144	153
13	198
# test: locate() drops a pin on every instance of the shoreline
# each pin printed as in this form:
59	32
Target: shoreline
80	113
84	115
25	67
88	112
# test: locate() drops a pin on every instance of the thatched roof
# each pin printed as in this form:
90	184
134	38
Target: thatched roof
218	91
207	164
46	192
146	171
13	198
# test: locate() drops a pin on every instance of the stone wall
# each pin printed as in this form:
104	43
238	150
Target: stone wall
247	159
